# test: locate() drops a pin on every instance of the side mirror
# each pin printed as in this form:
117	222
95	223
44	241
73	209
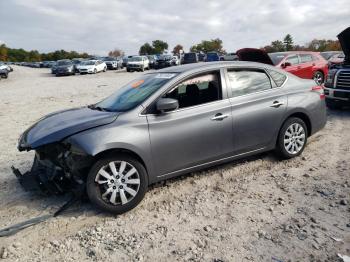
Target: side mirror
286	64
167	104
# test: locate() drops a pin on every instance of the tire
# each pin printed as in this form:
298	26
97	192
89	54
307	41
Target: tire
105	69
95	71
318	77
6	76
142	69
128	70
114	184
297	129
333	105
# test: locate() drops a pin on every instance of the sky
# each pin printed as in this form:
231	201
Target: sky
98	26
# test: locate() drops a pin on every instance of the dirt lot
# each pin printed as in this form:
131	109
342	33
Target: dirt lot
258	209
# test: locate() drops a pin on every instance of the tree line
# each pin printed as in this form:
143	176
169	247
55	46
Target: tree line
316	45
21	55
160	46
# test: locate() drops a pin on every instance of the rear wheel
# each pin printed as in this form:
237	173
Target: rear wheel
318	77
104	69
117	184
292	138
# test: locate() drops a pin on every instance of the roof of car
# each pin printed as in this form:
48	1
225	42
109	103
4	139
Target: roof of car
208	65
295	52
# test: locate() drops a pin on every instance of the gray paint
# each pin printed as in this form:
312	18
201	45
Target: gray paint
189	139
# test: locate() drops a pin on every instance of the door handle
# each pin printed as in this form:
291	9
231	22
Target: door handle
219	117
277	104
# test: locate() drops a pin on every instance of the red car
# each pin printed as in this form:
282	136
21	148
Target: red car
308	65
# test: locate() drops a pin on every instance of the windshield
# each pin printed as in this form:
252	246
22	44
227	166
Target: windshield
135	59
61	63
134	93
88	63
277	57
190	56
108	59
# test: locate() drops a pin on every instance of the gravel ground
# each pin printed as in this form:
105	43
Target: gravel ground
257	209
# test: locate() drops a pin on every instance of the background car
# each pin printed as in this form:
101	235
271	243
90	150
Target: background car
76	62
308	65
3	73
92	67
113	63
212	57
230	57
190	58
64	67
333	57
337	85
152	60
137	63
175	60
164	61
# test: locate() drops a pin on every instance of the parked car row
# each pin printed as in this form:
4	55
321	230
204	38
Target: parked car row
71	67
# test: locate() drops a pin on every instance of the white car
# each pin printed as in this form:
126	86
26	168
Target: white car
92	67
4	66
137	63
175	60
230	57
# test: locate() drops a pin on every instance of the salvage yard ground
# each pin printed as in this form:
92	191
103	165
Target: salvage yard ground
258	209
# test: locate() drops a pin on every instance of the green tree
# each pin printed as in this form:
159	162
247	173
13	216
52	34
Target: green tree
146	49
288	42
159	46
3	52
213	45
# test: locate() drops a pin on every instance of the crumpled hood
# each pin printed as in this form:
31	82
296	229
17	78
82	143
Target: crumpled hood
344	39
254	55
59	125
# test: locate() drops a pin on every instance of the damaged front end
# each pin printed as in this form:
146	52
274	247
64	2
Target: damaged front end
57	168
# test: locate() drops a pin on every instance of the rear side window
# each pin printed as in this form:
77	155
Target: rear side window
305	58
244	82
294	60
277	77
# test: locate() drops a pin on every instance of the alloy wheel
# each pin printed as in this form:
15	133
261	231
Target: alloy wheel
294	138
318	78
119	182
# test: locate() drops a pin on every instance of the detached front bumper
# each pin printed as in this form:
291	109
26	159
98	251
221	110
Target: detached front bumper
56	169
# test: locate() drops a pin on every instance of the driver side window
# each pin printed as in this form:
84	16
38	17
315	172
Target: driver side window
197	90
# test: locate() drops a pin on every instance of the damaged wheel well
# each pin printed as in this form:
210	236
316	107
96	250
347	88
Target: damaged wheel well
120	150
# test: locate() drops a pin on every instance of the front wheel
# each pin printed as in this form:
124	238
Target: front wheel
117	184
95	71
292	138
318	77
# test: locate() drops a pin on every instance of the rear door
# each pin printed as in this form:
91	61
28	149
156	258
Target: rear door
258	106
306	66
294	67
199	131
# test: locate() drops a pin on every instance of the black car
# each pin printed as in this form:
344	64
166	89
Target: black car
190	58
163	61
337	84
76	62
64	67
152	60
4	73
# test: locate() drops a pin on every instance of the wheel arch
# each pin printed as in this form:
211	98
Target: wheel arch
112	151
303	116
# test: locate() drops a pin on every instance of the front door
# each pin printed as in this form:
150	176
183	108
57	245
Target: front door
199	131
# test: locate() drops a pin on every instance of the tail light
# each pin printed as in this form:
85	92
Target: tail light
320	90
